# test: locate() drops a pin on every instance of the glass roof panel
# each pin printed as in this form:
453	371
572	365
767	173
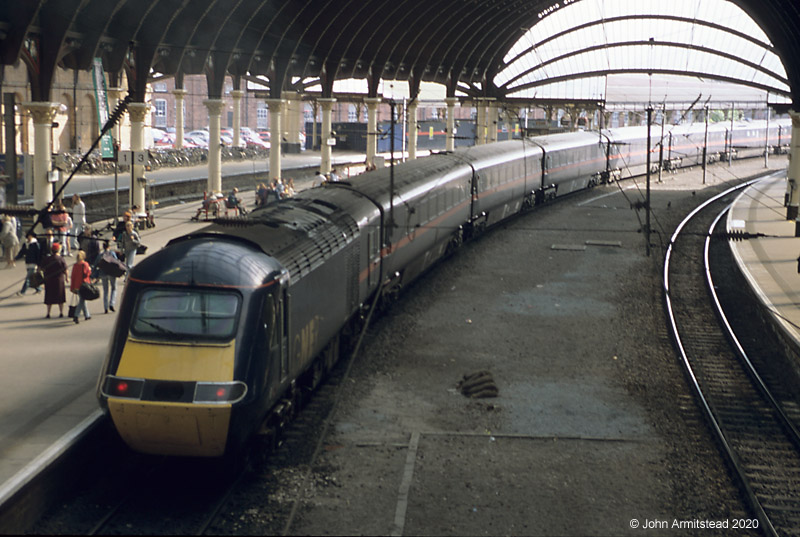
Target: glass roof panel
560	55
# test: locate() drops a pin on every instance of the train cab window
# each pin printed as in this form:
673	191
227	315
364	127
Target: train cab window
179	314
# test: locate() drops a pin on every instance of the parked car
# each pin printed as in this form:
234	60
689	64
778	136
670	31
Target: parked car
251	139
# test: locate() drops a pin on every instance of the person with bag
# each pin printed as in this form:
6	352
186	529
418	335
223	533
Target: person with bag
130	243
55	278
32	259
81	273
61	222
107	267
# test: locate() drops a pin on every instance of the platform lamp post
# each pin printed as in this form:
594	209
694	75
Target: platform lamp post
705	146
9	102
390	226
647	203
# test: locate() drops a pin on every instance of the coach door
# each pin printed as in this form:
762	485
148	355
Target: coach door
373	257
276	318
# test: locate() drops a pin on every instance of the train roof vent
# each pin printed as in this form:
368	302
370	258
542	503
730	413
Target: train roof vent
324	241
327	205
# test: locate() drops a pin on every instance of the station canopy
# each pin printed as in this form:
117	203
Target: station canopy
504	49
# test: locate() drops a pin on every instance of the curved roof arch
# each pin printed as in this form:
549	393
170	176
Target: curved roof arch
475	46
683	37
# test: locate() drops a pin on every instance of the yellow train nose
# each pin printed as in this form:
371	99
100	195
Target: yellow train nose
170	428
156	410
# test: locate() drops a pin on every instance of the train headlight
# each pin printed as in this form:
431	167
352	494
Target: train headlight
123	387
219	392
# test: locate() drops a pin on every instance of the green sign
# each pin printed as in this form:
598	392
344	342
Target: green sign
100	97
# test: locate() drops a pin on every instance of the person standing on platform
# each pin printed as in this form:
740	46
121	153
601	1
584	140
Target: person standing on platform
32	259
78	219
81	273
9	240
60	220
88	242
109	281
46	245
262	194
55	278
130	242
119	230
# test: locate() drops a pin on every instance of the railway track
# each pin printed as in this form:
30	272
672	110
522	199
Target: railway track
748	407
148	495
151	495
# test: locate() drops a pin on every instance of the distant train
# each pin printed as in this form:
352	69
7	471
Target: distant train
219	331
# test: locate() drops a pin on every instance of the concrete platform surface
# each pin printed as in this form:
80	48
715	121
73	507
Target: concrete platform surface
770	262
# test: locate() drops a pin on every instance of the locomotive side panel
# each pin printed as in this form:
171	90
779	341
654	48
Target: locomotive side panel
318	306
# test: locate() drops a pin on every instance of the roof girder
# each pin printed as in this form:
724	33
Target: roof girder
447	41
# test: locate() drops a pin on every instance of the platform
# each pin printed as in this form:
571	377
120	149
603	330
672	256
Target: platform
50	366
770	263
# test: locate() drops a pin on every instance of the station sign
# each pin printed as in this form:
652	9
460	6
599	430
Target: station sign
138	158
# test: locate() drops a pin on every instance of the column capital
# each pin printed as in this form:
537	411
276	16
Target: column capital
214	106
43	112
179	93
275	104
795	119
373	100
451	101
327	104
237	94
115	93
138	112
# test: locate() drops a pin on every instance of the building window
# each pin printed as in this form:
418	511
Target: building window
352	114
160	113
261	117
160	87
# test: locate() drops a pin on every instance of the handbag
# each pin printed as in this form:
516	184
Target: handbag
141	249
89	291
111	265
72	306
36	279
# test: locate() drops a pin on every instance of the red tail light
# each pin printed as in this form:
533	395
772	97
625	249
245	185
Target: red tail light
219	392
123	387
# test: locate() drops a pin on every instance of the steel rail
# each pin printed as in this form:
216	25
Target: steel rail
715	425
